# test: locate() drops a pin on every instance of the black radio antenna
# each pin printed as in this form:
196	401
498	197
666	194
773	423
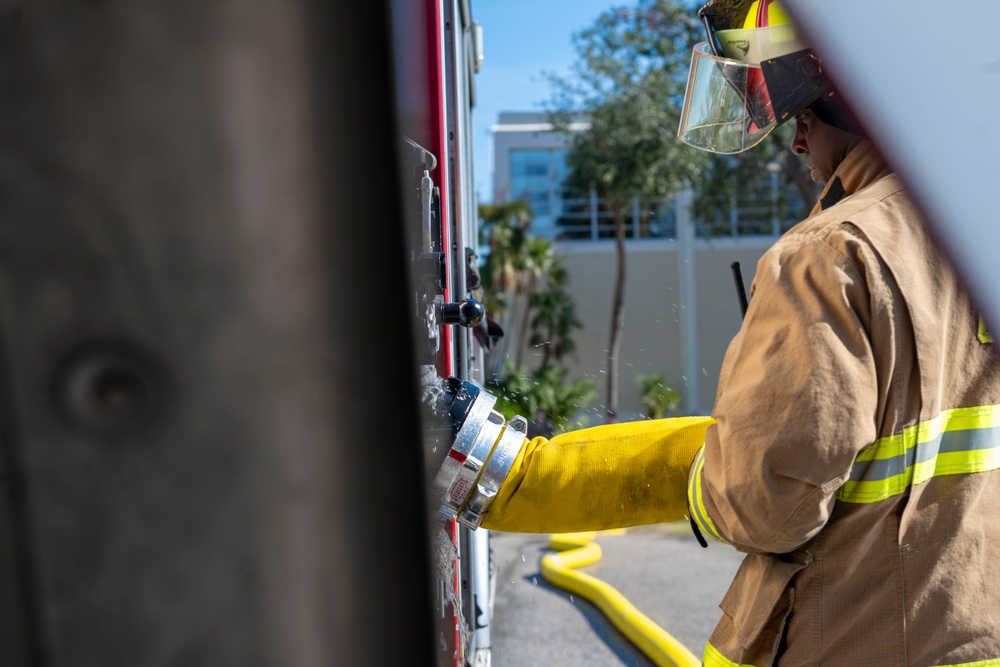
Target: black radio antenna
741	292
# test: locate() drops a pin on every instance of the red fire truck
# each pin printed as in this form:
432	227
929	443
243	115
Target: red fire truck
436	116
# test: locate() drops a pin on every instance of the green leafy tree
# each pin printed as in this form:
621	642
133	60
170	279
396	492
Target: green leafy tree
555	316
659	397
522	273
545	393
629	78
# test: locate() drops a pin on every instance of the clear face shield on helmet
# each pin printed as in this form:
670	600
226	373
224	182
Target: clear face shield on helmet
727	106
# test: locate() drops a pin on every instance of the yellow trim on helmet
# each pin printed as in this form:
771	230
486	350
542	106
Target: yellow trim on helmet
776	15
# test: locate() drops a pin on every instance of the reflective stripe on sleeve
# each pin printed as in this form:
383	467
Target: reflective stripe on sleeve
713	658
983	335
959	441
696	502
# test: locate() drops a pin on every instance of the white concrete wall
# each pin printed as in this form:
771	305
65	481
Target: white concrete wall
651	339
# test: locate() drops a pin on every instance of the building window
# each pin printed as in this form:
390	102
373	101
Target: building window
536	177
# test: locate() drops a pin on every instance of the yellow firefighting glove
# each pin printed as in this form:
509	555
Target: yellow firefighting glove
610	476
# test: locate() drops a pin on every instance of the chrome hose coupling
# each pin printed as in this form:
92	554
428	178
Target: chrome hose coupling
495	471
481	455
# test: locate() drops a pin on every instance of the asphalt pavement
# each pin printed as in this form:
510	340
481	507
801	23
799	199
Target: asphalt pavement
661	569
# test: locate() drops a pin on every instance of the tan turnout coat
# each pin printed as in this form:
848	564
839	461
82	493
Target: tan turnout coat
856	458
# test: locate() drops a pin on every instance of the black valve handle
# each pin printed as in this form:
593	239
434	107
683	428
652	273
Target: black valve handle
468	313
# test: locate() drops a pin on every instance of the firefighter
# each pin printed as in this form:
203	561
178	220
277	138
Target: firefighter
856	453
853	452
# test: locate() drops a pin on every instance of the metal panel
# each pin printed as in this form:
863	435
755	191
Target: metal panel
924	77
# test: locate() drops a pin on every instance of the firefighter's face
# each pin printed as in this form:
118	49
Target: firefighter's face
824	146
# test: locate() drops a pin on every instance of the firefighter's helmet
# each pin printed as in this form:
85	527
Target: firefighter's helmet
751	75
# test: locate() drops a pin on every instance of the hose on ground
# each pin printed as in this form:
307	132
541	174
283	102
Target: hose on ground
575	550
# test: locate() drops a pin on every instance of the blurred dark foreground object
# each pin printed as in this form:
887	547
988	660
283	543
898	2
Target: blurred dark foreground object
197	211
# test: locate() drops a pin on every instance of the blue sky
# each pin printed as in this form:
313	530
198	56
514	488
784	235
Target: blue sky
521	40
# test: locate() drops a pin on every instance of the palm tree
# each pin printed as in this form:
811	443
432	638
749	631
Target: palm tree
555	316
503	229
522	273
536	261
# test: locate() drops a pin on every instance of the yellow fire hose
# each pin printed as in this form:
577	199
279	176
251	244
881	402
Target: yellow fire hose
577	550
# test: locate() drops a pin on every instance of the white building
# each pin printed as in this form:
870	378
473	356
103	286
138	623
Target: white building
681	306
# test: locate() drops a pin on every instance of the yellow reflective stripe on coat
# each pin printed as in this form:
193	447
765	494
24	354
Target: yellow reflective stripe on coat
983	335
696	503
959	441
712	658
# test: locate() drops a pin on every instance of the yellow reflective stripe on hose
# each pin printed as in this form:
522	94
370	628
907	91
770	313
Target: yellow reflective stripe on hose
696	503
959	441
